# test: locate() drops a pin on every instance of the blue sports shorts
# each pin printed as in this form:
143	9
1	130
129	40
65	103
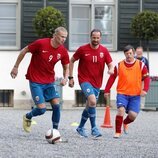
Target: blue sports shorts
42	93
130	103
88	89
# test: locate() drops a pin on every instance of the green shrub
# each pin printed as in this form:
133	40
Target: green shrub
144	25
47	20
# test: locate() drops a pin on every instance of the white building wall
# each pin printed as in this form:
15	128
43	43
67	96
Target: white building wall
22	96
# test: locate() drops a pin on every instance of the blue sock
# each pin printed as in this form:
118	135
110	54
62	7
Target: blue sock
35	112
92	115
83	118
56	115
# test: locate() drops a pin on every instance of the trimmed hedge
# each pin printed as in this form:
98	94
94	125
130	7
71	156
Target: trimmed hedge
144	25
47	20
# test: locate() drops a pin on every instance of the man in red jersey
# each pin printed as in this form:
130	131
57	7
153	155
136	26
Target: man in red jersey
92	59
46	53
130	72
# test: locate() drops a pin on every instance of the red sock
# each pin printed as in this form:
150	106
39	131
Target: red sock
127	120
118	123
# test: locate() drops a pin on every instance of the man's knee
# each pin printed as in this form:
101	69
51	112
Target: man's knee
55	106
121	111
92	100
41	111
132	115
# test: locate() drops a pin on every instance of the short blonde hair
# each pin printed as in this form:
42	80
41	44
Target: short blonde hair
58	29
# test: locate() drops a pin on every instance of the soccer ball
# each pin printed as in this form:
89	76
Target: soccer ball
52	136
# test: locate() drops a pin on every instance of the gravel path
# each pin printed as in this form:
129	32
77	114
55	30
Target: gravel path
141	142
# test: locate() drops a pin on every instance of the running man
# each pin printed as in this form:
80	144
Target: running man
92	59
130	72
46	53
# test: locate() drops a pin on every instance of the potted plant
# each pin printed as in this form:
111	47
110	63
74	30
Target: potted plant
47	20
144	26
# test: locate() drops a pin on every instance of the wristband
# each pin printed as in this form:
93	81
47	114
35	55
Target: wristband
70	77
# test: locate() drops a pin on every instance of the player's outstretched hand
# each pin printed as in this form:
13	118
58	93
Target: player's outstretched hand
71	83
14	72
63	81
111	71
143	93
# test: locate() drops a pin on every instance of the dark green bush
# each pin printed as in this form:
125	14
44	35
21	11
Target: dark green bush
144	25
47	20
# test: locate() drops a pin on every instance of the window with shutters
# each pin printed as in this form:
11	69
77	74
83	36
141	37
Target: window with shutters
6	98
88	14
9	24
80	99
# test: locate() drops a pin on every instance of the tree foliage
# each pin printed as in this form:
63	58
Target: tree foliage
47	20
144	25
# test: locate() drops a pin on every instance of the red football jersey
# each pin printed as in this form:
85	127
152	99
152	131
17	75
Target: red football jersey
44	57
91	64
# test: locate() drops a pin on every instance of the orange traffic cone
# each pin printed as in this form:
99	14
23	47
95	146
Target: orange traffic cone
107	121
